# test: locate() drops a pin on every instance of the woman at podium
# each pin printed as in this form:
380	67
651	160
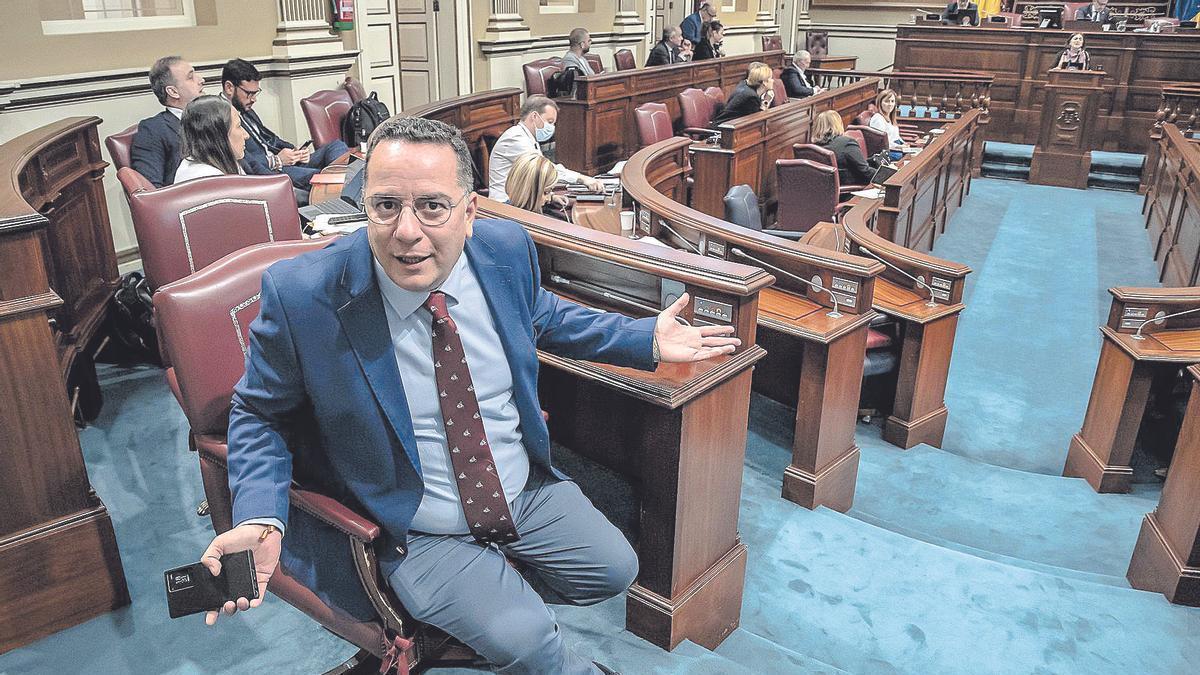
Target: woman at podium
1075	57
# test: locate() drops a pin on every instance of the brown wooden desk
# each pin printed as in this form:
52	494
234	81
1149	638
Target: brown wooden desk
597	126
1173	208
814	362
1166	558
679	433
835	62
59	564
1138	65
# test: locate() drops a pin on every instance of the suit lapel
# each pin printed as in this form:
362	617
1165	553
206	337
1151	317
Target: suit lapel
363	319
503	301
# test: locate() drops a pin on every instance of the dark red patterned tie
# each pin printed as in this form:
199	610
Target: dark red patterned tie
479	487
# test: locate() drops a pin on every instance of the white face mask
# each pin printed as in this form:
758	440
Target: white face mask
544	133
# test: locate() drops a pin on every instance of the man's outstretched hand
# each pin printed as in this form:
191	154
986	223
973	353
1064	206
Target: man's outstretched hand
679	343
266	559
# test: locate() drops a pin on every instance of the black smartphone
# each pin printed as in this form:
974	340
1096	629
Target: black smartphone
192	589
306	144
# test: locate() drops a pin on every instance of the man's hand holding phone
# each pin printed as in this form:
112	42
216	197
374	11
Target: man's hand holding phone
264	541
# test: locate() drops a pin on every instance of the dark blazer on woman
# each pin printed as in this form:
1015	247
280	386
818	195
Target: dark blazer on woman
853	169
705	50
743	101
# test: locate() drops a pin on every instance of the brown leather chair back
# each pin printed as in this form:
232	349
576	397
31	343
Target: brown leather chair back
324	112
355	89
814	153
186	227
772	42
864	117
857	135
808	194
876	140
204	321
623	58
717	94
1070	8
119	146
781	96
817	43
653	123
537	74
133	182
595	62
695	107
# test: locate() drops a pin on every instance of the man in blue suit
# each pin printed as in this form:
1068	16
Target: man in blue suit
695	21
158	140
411	348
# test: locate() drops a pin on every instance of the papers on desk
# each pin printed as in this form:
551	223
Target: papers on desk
870	193
616	170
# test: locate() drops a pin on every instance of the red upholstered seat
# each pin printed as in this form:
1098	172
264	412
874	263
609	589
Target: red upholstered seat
864	117
132	181
878	340
119	146
623	58
1070	8
717	94
876	141
696	109
817	43
857	135
808	194
537	74
185	227
355	89
653	123
595	62
324	111
820	155
780	91
771	42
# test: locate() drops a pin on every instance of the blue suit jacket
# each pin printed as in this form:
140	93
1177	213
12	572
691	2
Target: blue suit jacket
691	27
156	148
322	399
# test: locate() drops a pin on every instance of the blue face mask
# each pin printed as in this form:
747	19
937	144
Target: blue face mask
545	133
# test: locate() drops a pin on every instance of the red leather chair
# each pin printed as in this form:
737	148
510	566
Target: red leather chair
595	62
857	135
717	94
623	59
771	42
186	227
119	146
864	117
133	182
355	89
780	92
817	43
876	140
808	194
653	123
324	112
1070	8
537	74
696	109
204	320
820	155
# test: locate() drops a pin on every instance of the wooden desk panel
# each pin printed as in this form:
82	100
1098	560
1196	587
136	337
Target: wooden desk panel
1138	65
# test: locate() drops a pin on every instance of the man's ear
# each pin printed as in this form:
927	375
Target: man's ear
228	88
469	212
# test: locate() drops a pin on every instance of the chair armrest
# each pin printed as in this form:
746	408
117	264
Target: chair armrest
847	189
700	133
335	514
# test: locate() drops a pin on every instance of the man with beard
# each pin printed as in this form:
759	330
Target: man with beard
579	42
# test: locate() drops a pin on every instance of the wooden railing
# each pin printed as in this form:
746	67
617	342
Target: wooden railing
951	94
1180	106
1173	208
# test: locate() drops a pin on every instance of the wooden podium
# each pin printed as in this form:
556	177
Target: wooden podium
1063	154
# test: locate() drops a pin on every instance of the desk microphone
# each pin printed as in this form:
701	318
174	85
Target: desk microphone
920	283
833	314
1138	335
680	237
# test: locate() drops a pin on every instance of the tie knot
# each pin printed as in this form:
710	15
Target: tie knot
436	304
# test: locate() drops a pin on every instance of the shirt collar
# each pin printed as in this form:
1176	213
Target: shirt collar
405	302
176	112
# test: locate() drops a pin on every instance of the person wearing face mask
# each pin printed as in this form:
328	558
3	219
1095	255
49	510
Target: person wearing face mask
535	127
579	42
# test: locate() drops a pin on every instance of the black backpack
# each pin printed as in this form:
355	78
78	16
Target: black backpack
362	118
130	324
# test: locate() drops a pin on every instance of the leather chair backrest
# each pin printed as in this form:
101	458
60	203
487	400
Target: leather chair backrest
537	74
132	181
623	58
653	123
183	228
864	117
741	207
695	108
717	94
780	92
355	89
876	140
119	146
324	112
595	62
817	43
818	155
204	321
1071	7
808	194
771	42
857	135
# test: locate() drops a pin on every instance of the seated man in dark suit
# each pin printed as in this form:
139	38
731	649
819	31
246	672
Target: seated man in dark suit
1097	11
667	50
266	152
961	12
795	79
155	152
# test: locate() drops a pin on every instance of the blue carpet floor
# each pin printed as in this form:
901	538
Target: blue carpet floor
977	558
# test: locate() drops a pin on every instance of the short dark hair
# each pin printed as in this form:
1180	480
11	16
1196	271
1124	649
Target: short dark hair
710	28
427	131
577	36
537	104
161	77
238	71
205	126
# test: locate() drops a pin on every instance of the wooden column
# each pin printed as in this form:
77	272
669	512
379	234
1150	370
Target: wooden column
919	415
1063	154
1167	556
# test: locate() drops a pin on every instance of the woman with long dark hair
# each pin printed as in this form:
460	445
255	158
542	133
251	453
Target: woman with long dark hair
1075	57
885	117
712	34
213	139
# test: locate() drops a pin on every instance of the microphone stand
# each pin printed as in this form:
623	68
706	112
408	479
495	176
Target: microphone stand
833	314
1138	335
920	283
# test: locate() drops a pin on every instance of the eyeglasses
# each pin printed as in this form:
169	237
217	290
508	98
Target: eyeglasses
430	211
252	93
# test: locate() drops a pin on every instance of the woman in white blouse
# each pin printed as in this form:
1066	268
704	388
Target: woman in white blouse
213	139
885	115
